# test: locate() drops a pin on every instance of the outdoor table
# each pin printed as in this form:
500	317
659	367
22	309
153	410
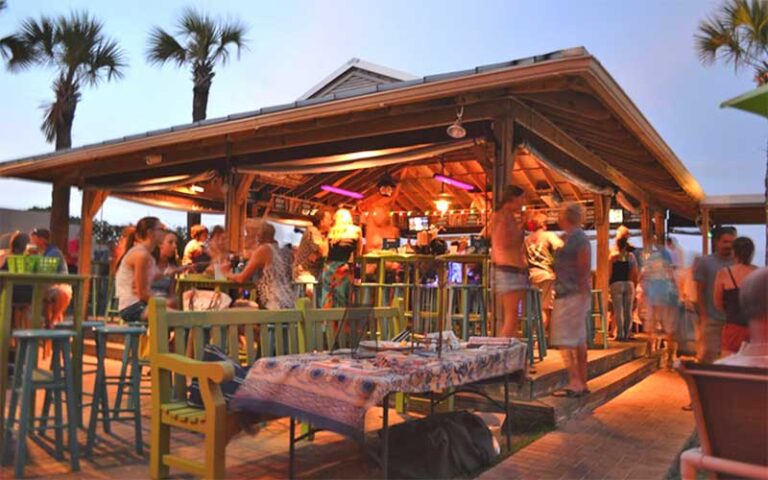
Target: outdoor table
205	282
333	390
39	282
464	288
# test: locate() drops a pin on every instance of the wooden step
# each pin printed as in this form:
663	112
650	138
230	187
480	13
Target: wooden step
547	411
550	410
551	374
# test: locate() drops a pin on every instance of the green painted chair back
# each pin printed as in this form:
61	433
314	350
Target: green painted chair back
244	334
320	325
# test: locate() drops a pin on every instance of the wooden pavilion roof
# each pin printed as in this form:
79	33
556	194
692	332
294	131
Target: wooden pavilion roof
567	110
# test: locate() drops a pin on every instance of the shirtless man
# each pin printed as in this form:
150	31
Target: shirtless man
508	257
378	228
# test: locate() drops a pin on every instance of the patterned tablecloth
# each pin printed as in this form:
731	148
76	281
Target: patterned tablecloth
333	392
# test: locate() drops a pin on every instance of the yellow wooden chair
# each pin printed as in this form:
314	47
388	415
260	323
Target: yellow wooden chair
280	333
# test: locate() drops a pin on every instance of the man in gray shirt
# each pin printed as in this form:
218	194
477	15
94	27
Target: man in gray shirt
711	320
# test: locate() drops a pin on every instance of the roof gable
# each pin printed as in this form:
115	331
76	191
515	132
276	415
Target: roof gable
353	75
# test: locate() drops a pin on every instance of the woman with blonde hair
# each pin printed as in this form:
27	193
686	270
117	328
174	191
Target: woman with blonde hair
267	268
344	243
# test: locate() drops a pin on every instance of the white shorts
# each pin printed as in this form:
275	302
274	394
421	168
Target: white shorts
568	325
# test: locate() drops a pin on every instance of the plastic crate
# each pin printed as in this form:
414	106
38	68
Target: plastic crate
48	265
23	263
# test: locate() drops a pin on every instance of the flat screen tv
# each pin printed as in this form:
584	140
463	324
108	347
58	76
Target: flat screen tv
417	224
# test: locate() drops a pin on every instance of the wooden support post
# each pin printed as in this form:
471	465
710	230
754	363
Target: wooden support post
235	209
503	165
193	218
92	202
660	226
603	231
705	228
504	158
646	227
59	223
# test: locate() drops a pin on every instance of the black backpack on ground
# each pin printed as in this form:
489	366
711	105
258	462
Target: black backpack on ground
446	445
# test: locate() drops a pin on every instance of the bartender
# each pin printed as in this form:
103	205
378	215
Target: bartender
379	228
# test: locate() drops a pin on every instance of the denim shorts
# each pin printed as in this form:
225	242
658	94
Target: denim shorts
507	279
133	313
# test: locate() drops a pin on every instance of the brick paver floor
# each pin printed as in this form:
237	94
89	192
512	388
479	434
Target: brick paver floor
637	435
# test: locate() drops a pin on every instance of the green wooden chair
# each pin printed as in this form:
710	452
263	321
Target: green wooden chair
319	324
265	333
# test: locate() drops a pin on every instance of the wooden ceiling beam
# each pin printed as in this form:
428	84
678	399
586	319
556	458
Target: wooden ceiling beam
546	129
328	137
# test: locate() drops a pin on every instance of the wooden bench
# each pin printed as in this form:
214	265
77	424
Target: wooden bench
266	333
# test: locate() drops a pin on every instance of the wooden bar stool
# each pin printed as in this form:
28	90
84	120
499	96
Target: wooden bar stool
89	327
130	380
533	324
597	312
27	378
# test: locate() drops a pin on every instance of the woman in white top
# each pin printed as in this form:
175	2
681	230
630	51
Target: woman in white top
136	269
273	283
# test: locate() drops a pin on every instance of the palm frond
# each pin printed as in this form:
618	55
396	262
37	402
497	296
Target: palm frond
737	34
17	53
32	44
230	34
60	110
78	35
202	32
163	47
107	61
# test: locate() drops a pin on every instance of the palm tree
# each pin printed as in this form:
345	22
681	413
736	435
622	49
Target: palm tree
738	35
201	43
77	49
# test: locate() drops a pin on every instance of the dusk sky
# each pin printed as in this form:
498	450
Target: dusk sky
647	46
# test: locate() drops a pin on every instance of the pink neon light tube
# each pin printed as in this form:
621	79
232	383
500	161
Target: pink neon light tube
341	191
454	182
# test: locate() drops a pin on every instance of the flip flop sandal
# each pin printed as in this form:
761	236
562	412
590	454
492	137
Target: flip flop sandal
564	393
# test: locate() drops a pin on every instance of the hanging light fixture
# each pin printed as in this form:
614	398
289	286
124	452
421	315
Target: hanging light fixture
386	185
443	203
443	200
456	129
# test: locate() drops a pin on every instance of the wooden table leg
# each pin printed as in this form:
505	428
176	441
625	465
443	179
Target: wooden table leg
6	317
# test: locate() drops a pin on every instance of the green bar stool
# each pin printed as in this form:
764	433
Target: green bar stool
27	378
596	312
533	324
88	327
130	380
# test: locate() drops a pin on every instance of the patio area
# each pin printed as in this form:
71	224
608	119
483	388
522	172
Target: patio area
638	416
